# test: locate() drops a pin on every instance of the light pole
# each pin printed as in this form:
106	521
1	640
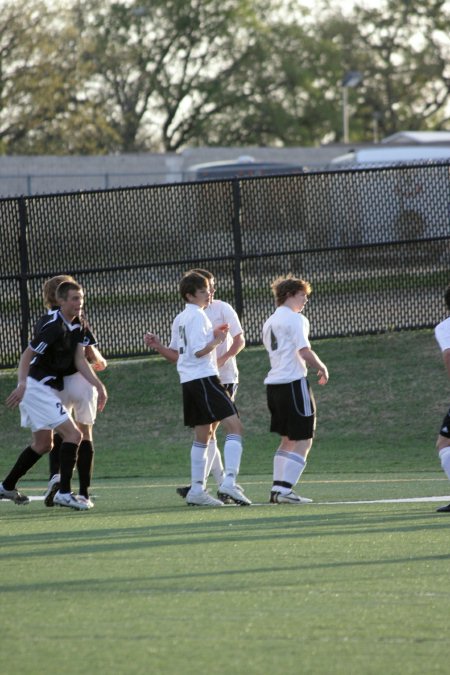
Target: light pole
351	79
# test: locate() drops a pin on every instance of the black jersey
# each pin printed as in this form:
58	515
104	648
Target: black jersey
88	338
54	343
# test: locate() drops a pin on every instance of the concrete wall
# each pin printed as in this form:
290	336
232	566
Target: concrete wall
32	175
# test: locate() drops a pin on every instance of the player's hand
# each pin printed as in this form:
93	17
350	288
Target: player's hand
16	396
99	365
220	332
102	397
152	340
322	376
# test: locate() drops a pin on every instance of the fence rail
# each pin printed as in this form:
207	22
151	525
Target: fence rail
374	243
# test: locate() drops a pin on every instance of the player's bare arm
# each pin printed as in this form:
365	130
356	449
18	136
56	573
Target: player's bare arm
17	395
85	369
446	357
220	334
154	342
312	361
236	346
95	358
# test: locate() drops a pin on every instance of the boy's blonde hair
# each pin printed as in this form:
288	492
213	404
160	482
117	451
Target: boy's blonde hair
49	289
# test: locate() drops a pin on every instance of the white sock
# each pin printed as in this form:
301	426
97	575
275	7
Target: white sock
232	451
279	460
444	456
198	466
215	465
293	468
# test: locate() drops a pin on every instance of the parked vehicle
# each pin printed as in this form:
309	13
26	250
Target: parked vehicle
242	167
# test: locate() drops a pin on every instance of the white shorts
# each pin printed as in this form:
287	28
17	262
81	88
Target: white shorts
80	398
41	407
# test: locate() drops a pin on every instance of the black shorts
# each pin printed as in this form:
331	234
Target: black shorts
445	426
293	410
205	401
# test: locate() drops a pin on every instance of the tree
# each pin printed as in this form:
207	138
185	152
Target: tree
403	50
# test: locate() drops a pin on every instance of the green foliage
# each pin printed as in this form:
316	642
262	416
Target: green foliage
92	77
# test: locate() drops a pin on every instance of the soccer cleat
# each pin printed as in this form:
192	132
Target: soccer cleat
52	489
443	509
201	499
68	499
288	498
183	491
225	499
233	492
85	500
14	495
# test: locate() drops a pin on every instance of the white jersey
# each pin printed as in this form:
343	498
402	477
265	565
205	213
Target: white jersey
284	334
442	334
191	332
219	312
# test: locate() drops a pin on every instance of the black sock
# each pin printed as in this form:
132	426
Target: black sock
67	458
85	465
53	457
25	461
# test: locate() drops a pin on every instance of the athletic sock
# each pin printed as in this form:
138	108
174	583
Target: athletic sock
53	456
279	461
24	462
293	468
198	466
215	462
85	465
68	458
444	456
232	451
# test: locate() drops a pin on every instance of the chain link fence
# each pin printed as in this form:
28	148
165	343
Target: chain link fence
374	243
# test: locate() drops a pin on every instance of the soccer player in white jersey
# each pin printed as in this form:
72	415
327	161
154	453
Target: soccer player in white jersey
442	334
205	399
219	313
289	397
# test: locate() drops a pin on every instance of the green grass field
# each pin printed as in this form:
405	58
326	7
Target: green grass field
354	583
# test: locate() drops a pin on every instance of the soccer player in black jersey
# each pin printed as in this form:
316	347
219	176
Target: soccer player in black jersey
43	365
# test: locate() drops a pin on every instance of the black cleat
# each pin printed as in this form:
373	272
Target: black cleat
443	509
183	491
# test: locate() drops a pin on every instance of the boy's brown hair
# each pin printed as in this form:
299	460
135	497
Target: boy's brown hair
191	283
62	292
285	287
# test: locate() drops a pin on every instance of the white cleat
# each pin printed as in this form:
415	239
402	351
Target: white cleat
68	499
202	498
288	498
85	500
235	493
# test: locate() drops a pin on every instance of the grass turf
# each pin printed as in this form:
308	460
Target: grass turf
143	583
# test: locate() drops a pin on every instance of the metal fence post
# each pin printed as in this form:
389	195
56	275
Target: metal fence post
237	236
23	285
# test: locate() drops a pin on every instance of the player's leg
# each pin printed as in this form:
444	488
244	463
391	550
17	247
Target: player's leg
443	448
41	444
197	495
292	410
232	454
85	462
214	459
288	465
71	436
